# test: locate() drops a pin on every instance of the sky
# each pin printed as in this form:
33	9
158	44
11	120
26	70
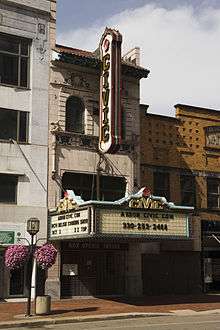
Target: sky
179	42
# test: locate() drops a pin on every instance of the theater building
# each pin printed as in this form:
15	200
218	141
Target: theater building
180	160
93	150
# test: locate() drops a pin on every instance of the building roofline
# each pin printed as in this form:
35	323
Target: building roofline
74	51
188	107
91	59
145	107
30	7
162	116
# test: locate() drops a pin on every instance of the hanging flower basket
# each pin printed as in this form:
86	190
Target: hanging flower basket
16	256
45	255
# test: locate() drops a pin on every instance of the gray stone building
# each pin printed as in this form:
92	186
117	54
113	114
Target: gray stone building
24	77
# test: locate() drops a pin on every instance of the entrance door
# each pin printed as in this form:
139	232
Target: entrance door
211	265
171	273
78	274
111	273
96	273
17	282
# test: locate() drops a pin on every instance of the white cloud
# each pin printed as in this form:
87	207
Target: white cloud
180	47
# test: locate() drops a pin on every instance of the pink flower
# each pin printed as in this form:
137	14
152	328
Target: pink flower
45	255
16	256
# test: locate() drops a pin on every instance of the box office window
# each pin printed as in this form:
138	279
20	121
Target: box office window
75	115
14	60
13	125
188	191
162	184
210	226
8	188
84	185
213	193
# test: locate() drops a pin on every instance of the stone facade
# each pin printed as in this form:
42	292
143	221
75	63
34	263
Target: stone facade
27	161
72	80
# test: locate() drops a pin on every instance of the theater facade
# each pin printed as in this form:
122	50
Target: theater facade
94	150
139	244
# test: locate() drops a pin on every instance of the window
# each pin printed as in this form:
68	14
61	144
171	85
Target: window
95	115
14	60
8	188
13	125
74	115
188	192
162	184
210	226
84	185
213	193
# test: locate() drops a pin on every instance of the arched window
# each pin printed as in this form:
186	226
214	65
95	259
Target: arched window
74	115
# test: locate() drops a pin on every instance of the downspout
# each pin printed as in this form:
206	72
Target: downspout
53	155
55	127
29	164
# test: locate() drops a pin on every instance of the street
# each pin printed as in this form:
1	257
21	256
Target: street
200	322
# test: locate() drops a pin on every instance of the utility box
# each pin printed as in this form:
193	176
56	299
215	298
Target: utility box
43	305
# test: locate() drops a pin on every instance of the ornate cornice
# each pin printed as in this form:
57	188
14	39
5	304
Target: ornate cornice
95	63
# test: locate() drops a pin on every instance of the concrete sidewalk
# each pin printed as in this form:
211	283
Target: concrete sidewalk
79	310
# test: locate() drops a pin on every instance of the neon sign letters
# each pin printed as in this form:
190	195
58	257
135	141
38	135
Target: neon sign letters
110	86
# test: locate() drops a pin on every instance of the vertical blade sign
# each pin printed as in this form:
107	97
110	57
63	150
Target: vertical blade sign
110	88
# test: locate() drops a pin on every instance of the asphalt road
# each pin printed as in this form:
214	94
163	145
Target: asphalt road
198	322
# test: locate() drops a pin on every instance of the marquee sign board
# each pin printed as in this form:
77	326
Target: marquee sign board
110	92
143	223
69	224
139	214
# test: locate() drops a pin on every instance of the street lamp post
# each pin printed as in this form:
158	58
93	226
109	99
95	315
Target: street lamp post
33	226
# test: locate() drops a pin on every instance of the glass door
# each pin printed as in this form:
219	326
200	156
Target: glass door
17	282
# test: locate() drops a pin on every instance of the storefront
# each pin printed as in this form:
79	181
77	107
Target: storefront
92	268
14	282
104	247
211	254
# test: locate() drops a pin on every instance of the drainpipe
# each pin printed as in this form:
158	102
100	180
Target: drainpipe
53	154
29	164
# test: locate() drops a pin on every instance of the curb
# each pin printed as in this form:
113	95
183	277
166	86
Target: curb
76	319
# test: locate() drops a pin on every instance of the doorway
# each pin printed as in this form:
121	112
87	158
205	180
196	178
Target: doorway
93	273
16	285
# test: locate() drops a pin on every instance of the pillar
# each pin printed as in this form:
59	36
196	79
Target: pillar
52	285
134	286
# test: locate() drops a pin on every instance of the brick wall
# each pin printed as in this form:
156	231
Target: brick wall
179	146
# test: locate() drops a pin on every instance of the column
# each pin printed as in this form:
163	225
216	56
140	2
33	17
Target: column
53	285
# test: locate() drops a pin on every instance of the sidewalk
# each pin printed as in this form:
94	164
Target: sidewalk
67	310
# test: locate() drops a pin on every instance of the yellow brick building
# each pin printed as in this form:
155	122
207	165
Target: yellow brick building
180	159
